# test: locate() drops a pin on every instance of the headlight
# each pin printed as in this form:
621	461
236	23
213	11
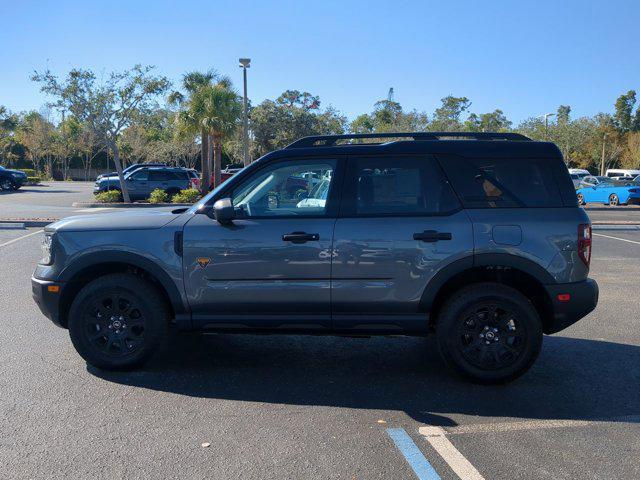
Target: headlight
47	242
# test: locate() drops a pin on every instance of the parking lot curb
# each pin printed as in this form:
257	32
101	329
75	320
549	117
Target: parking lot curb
127	205
28	222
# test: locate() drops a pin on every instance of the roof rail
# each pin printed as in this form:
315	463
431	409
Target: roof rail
330	140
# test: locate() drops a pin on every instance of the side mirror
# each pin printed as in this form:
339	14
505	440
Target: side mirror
223	211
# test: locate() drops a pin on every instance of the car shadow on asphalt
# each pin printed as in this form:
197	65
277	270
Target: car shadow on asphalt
573	378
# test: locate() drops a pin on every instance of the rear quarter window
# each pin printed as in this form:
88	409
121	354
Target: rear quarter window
504	182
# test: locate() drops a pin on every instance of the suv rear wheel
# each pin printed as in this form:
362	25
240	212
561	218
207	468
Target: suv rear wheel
489	333
118	321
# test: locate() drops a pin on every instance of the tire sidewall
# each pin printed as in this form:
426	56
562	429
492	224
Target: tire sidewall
453	312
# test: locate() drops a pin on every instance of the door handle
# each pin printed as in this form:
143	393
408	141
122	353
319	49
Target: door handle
300	237
431	236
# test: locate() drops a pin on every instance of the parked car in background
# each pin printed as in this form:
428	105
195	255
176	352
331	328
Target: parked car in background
194	177
622	173
608	192
131	168
576	179
592	180
11	179
225	175
143	181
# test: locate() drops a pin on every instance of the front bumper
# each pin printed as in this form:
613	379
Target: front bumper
48	301
583	298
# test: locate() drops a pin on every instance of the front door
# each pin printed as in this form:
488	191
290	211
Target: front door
400	222
271	268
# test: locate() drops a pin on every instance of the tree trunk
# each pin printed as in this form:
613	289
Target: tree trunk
217	159
116	160
204	163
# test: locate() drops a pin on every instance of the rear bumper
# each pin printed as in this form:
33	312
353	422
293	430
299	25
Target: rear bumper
583	299
47	301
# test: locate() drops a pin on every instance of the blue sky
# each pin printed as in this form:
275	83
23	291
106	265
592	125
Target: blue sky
525	57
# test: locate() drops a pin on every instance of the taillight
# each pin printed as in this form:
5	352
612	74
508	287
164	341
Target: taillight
584	243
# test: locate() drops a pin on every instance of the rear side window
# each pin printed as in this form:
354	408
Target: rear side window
158	176
503	182
177	175
396	185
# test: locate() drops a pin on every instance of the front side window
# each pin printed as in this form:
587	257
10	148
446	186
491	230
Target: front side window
289	188
397	185
141	175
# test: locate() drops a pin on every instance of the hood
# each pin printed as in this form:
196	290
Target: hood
128	219
19	172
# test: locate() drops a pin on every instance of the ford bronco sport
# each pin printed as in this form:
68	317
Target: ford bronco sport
474	237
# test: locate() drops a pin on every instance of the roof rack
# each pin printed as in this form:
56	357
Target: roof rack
330	140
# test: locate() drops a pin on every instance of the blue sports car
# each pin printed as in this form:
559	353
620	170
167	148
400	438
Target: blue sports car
609	193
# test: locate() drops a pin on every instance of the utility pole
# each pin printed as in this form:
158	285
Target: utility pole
244	64
604	142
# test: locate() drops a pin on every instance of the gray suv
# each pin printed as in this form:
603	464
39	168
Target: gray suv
144	180
407	233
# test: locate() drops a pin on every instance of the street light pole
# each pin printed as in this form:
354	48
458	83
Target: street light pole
244	64
546	124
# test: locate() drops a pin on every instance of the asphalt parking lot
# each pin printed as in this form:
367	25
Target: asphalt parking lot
314	407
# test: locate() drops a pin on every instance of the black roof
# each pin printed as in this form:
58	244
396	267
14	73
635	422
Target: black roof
467	144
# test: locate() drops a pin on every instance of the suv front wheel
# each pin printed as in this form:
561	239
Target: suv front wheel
118	321
489	333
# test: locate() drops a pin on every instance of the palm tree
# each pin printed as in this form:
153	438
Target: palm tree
196	118
218	108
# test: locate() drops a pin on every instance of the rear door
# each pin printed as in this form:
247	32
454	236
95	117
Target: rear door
399	224
158	178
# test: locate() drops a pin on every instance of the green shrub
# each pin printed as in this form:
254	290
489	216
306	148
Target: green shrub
33	180
158	196
110	196
190	195
29	171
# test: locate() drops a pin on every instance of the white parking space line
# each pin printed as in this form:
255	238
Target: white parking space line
20	238
436	436
531	425
616	238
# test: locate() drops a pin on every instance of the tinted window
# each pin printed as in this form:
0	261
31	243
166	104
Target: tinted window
177	175
504	182
397	185
158	176
141	175
288	188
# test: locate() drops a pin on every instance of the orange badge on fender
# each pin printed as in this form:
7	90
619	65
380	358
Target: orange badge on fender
203	262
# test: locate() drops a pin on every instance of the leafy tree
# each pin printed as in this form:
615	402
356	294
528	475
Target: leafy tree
292	115
106	107
563	114
623	116
36	134
447	117
8	126
495	121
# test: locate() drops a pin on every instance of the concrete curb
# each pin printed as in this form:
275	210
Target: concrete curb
127	205
28	222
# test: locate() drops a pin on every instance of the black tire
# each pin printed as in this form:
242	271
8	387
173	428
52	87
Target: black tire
489	333
6	184
581	199
121	337
614	200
